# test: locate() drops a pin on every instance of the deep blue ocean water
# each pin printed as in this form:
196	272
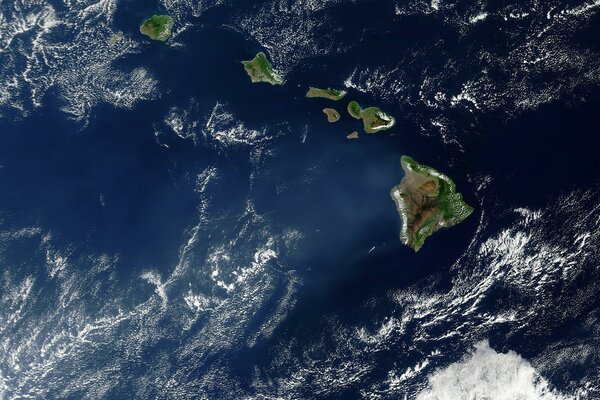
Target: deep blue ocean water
112	186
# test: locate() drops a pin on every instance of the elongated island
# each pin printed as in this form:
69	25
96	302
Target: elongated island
260	70
157	27
331	94
426	201
374	120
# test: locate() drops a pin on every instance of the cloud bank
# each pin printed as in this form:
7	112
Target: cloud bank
486	374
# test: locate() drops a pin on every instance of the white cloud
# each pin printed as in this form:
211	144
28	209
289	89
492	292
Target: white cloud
486	374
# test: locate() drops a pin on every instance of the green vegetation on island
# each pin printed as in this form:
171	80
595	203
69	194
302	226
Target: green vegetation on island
260	70
354	109
332	114
374	120
114	39
426	201
331	94
157	27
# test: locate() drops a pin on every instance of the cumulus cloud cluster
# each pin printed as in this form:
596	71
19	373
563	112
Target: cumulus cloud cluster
487	374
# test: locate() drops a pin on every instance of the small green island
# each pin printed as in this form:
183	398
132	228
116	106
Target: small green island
354	109
115	38
426	201
374	120
331	94
260	70
157	27
332	114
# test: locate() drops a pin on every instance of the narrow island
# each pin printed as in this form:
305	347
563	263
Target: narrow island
353	135
374	120
157	27
331	94
114	39
332	114
426	201
260	70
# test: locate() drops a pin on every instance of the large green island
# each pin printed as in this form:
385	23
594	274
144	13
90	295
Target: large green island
426	201
157	27
331	94
374	120
260	70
